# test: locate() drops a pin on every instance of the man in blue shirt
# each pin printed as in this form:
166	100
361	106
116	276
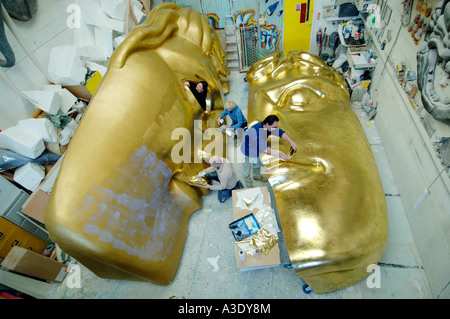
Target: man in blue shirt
255	142
239	122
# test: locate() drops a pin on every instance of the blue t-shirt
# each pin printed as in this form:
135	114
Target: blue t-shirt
255	139
236	116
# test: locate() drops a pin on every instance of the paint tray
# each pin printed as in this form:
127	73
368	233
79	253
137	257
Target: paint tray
244	227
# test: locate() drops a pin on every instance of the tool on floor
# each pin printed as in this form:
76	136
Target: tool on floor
445	155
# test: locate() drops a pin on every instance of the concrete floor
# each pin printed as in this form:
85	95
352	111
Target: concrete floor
207	269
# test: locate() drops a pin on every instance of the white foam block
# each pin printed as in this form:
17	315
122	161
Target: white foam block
29	175
93	14
118	40
84	35
116	9
42	127
65	66
47	101
137	10
22	142
115	25
51	87
67	100
104	39
94	53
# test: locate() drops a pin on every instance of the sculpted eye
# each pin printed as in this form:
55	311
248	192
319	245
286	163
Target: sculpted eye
300	95
295	95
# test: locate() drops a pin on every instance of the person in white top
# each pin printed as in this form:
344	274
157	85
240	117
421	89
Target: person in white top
221	171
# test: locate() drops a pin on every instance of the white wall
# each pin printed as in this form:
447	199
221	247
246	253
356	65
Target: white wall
44	31
413	159
320	22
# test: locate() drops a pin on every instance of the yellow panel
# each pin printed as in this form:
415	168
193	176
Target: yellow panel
296	34
93	83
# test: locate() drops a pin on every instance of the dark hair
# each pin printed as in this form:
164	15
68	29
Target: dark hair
204	85
270	119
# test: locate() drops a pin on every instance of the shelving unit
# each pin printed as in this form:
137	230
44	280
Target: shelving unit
385	61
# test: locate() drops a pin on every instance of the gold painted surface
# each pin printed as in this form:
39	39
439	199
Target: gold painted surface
329	194
197	181
264	240
121	203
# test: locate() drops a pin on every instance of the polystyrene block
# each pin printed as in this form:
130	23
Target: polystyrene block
47	101
84	35
118	40
137	10
67	100
93	14
65	66
51	87
29	175
116	9
94	53
22	142
42	127
104	39
115	25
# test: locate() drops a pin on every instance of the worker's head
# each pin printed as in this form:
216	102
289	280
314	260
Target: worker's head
215	161
230	105
271	122
201	86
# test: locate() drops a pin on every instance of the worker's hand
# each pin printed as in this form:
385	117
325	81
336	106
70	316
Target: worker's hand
294	145
283	156
201	174
227	126
206	186
186	83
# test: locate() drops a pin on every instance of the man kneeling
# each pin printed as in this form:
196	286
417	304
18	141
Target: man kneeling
221	171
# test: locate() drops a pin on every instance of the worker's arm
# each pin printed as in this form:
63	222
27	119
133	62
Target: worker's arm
287	138
240	120
222	115
206	171
275	153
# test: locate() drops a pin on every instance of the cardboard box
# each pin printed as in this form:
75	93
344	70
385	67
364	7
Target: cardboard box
36	204
30	263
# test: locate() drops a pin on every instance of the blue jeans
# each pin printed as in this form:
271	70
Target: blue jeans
224	194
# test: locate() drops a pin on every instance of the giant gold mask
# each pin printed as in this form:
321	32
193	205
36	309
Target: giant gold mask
121	205
329	194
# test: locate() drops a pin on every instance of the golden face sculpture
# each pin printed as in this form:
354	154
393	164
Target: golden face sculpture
121	203
329	194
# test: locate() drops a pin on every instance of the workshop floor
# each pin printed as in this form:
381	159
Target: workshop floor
207	269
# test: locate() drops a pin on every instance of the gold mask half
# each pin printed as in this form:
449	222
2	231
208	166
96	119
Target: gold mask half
329	194
121	204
